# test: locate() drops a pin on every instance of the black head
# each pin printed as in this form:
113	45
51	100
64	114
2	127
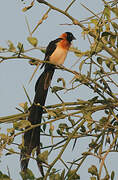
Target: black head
70	36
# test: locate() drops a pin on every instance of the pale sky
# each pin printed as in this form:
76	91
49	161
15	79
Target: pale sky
16	73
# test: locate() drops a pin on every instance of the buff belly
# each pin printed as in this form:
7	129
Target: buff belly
58	57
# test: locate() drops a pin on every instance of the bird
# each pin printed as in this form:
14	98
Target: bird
55	53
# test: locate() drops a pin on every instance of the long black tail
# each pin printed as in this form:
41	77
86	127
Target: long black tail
32	137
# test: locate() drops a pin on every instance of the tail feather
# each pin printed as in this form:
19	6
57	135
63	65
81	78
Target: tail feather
32	137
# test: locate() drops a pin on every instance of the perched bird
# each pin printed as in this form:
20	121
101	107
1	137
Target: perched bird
56	53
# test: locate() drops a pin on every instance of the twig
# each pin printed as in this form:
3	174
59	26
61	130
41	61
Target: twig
107	152
43	18
64	163
90	10
35	70
70	5
63	149
90	17
28	26
58	96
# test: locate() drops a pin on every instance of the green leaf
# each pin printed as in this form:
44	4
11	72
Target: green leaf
100	60
62	174
10	130
93	170
94	21
3	136
21	124
11	46
115	26
59	132
57	177
106	33
71	120
97	47
54	176
63	126
81	65
2	49
73	175
107	13
103	121
108	62
27	175
92	178
115	11
112	67
112	175
33	151
93	144
20	47
24	106
10	152
107	27
51	113
33	41
43	156
4	176
63	81
112	40
82	129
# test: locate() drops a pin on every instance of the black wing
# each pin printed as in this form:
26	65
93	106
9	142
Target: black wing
50	49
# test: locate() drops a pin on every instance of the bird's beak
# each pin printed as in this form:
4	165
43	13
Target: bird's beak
74	38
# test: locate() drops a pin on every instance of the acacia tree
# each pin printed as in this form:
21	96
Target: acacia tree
98	72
